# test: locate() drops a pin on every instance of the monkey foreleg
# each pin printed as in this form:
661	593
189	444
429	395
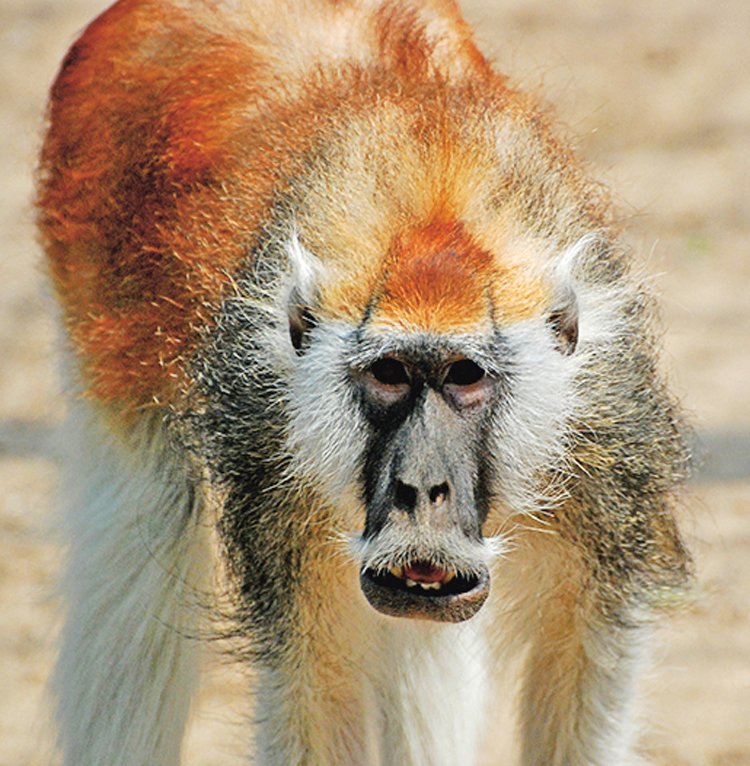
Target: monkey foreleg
578	695
127	664
582	663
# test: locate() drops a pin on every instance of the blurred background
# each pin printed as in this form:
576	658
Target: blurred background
657	97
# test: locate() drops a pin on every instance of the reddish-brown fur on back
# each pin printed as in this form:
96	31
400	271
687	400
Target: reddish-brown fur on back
175	129
169	133
138	245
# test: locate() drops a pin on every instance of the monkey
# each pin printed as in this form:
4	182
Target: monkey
360	365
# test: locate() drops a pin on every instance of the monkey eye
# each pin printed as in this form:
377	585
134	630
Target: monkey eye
390	372
387	381
464	372
466	384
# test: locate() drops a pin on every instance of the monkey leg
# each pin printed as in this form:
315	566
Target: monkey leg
126	669
313	697
581	663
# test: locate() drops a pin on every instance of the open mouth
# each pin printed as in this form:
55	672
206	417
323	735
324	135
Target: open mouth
423	590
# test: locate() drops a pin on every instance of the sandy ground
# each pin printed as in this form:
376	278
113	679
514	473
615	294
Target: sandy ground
658	94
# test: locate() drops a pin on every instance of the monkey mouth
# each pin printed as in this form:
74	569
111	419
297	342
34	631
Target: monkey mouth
423	590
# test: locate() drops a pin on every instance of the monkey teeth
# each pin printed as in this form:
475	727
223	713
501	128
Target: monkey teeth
423	580
435	585
423	585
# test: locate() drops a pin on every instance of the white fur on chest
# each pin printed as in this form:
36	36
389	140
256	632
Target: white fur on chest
430	692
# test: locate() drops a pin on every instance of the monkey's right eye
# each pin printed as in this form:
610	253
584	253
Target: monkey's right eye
387	381
390	372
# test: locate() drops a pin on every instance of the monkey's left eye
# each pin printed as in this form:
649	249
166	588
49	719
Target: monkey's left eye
464	372
466	384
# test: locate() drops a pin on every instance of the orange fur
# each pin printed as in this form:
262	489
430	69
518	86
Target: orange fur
149	218
174	129
438	279
138	245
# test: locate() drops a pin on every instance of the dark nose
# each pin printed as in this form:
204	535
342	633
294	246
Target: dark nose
408	498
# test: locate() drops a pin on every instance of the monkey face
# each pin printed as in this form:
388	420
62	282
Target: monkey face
436	437
412	432
424	477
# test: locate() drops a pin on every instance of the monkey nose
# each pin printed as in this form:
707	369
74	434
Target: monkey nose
438	494
407	497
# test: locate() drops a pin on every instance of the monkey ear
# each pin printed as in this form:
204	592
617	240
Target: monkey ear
564	323
563	316
306	272
301	321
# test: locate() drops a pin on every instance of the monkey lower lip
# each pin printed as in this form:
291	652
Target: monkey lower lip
452	598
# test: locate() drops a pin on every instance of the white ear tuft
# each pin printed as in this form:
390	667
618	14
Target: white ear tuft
566	266
583	309
306	274
564	314
307	270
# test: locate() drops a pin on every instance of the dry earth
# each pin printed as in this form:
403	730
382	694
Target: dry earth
658	93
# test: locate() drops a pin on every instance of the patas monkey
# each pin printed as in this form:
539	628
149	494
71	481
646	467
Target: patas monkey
333	288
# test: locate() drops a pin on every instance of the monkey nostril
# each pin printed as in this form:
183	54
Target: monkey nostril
405	497
439	494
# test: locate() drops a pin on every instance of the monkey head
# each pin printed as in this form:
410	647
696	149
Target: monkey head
433	415
408	354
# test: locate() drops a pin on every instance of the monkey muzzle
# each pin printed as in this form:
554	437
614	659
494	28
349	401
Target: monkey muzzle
424	555
423	590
